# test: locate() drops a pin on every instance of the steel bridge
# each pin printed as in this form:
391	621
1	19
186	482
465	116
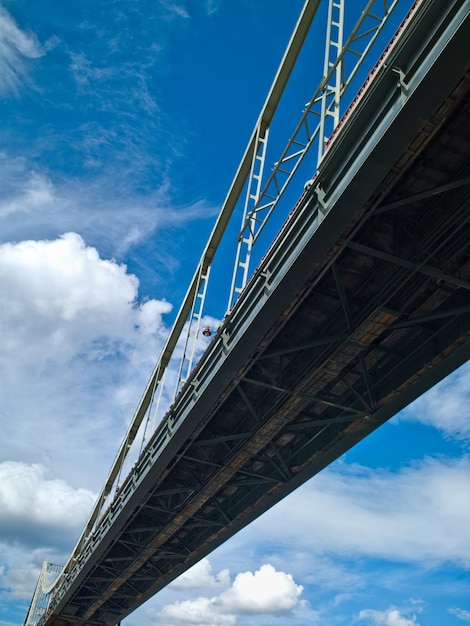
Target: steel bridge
360	304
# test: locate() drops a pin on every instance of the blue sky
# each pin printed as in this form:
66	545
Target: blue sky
123	123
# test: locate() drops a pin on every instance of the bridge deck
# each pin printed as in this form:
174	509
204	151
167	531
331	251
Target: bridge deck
361	304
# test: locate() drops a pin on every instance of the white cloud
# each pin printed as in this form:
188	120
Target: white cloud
444	406
77	352
37	204
18	583
174	10
192	613
36	507
200	575
60	296
212	6
267	591
16	46
36	194
390	617
41	517
85	73
73	394
460	613
264	592
420	514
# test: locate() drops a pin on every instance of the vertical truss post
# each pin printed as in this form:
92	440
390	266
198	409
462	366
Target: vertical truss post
321	115
155	404
194	323
331	92
249	219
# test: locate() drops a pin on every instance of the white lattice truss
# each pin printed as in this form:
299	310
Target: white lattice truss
46	582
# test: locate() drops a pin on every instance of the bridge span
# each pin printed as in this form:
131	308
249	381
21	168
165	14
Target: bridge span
360	305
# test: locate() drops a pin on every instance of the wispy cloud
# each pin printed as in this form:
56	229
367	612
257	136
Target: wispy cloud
34	194
102	208
419	515
17	47
173	9
443	407
389	617
460	613
212	6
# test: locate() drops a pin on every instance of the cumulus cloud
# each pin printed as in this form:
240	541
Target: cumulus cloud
200	575
37	507
18	583
264	592
74	330
22	562
390	617
199	612
80	342
77	350
61	296
41	517
16	47
267	591
441	407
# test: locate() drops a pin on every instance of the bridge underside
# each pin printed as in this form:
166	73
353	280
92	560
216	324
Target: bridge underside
373	320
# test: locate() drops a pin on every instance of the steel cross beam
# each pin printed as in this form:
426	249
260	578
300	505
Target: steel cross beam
423	268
